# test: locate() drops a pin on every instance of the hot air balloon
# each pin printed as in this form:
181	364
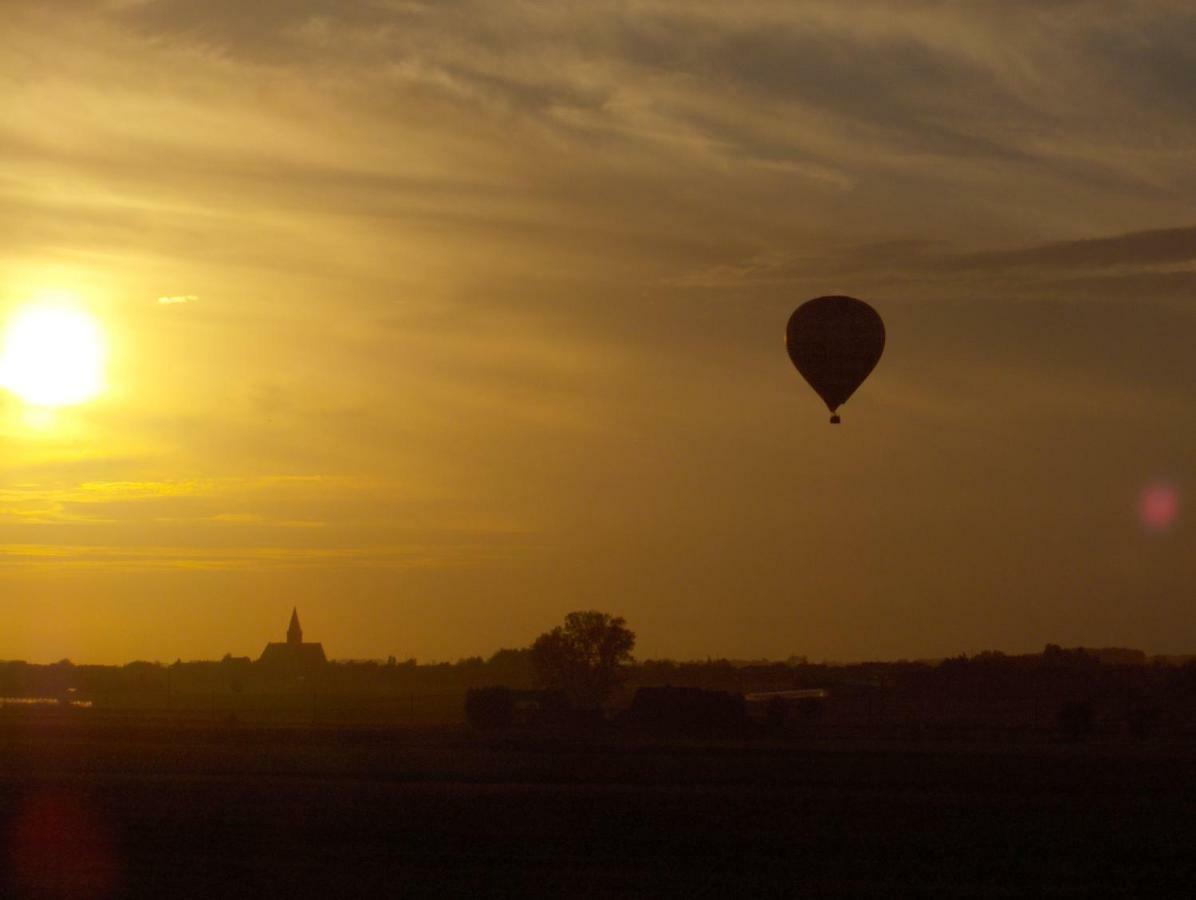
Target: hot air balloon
835	342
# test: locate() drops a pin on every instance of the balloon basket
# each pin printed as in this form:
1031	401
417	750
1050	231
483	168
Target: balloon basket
835	420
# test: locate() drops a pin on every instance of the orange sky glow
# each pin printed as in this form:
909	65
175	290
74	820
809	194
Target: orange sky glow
440	320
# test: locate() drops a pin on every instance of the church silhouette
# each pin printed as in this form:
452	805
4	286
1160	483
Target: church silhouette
293	656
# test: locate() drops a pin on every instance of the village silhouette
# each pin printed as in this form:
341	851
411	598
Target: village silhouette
567	768
1075	693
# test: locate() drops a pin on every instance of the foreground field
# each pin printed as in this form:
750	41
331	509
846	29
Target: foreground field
95	808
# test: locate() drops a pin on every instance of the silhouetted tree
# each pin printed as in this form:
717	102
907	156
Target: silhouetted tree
512	667
584	657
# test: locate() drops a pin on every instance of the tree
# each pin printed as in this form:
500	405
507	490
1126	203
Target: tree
584	657
512	668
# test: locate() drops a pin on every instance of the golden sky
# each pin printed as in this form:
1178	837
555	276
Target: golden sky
440	320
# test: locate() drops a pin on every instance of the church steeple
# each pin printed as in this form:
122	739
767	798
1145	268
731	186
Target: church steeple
296	657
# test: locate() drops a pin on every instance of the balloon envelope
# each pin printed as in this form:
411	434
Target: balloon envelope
835	342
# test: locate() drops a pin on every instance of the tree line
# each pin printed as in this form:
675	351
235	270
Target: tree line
587	663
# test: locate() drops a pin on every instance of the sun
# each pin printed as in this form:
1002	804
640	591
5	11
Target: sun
52	356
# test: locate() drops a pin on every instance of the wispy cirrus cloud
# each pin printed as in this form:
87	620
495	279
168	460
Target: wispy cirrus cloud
1162	259
64	558
600	121
503	285
237	523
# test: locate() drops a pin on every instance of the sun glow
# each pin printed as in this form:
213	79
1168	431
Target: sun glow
52	356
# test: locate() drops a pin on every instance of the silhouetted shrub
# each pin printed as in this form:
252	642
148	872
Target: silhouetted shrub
565	719
489	707
1075	719
686	710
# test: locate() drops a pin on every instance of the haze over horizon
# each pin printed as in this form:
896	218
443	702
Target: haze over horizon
440	320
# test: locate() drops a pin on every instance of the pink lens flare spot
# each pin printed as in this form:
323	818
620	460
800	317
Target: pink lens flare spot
1158	507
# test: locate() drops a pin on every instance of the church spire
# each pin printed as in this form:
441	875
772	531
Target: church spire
295	632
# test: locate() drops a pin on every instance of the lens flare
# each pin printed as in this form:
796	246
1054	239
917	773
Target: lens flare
1158	507
59	845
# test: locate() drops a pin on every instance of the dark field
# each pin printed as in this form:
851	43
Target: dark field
92	808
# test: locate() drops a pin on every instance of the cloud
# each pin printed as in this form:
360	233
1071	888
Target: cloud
1138	248
142	558
511	279
616	140
242	523
1154	262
